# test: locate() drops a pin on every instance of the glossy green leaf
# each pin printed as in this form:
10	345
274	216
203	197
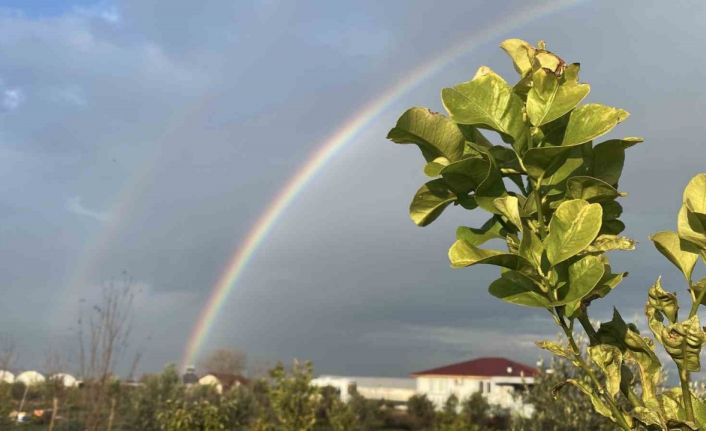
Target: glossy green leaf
590	121
611	210
573	227
681	253
506	159
430	201
462	254
488	101
476	139
572	163
491	229
590	189
435	134
609	282
491	188
550	98
539	160
605	243
433	168
531	247
610	360
555	348
521	53
466	175
691	228
695	194
516	288
692	216
550	134
584	276
612	227
609	158
508	206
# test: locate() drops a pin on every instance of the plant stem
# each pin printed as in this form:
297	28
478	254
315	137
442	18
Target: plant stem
538	200
587	326
619	418
686	393
697	301
684	380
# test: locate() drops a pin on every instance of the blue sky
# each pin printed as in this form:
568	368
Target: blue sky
147	136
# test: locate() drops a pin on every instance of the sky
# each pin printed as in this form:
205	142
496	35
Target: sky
146	137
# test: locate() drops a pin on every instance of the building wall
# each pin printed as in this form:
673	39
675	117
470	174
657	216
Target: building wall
439	388
373	388
396	395
497	390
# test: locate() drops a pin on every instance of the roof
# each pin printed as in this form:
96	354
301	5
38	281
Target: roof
483	367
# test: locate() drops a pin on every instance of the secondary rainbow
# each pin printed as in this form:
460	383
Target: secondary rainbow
328	149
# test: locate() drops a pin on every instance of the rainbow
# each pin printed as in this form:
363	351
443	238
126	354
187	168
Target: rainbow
327	150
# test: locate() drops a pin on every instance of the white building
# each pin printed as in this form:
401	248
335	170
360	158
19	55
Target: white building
67	380
6	377
498	379
373	388
30	378
211	380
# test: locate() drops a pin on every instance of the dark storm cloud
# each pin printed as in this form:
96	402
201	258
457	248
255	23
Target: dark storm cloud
173	124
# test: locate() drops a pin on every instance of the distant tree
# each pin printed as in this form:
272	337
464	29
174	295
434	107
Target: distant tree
476	410
240	407
421	410
370	413
449	418
54	388
146	401
341	416
227	361
103	337
7	404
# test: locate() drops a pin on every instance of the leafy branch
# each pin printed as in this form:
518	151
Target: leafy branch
552	198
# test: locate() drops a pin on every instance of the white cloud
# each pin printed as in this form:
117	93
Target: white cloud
105	12
75	205
12	98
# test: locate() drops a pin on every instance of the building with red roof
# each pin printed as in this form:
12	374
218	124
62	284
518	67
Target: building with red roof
499	379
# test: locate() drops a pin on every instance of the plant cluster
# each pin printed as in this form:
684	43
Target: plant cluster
552	198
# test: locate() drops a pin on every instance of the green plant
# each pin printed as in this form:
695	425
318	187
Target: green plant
421	409
292	398
7	404
551	195
574	412
341	416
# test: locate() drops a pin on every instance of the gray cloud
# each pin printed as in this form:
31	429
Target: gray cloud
181	122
